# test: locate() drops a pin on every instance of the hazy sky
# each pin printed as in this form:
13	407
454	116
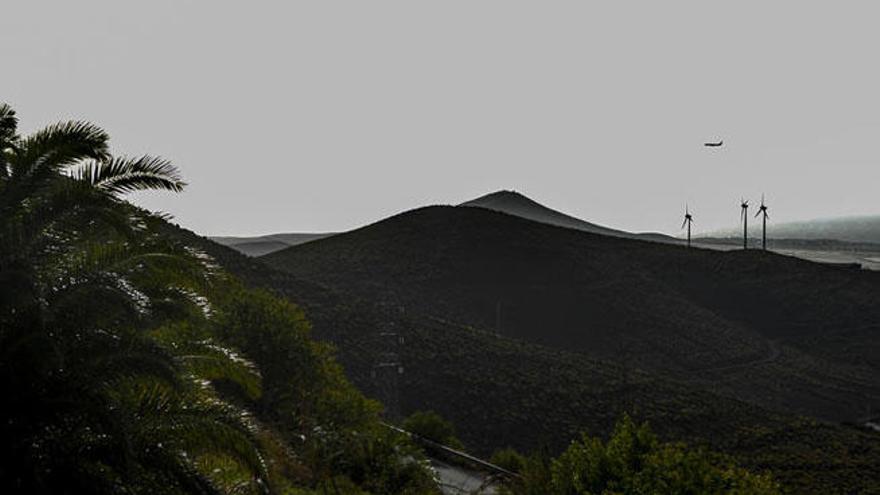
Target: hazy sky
325	115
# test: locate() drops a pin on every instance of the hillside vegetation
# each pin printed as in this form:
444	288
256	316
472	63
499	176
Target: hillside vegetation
742	321
582	316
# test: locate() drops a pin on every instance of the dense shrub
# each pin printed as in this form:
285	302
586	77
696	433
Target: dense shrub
633	461
430	425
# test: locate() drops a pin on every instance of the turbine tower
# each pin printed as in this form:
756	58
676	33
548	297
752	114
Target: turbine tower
688	220
744	213
763	209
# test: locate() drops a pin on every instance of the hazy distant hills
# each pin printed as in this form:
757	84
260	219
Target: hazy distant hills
859	229
260	245
514	203
759	342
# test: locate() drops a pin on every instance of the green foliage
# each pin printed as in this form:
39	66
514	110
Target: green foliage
633	461
509	459
99	402
430	425
331	426
131	365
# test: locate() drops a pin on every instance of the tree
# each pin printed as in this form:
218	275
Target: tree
332	428
131	364
96	402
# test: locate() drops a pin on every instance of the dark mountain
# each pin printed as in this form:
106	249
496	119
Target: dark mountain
506	392
261	245
514	203
741	322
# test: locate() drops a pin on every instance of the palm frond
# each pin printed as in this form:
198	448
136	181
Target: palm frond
212	362
8	138
38	160
123	175
59	145
182	429
8	124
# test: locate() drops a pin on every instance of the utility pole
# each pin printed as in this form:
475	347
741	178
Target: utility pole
386	373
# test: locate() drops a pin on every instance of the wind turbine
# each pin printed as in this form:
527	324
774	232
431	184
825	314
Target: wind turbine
744	214
688	220
763	209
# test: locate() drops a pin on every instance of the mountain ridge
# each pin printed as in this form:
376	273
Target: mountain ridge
517	204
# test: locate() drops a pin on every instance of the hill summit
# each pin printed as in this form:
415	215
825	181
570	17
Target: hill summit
517	204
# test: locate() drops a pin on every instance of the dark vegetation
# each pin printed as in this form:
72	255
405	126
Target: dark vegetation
430	425
132	364
633	461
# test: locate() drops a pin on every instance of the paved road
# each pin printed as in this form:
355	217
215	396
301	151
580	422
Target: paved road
458	481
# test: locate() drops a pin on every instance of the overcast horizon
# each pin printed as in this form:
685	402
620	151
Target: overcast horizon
326	116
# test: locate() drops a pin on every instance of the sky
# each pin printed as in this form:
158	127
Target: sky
314	116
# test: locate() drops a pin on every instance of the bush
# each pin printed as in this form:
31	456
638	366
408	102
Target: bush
508	459
430	425
634	461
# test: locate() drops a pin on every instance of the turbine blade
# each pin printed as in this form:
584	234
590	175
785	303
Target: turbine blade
758	213
684	223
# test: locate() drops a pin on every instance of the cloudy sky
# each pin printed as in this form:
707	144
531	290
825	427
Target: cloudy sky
325	115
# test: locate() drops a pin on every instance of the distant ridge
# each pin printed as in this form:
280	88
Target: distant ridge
261	245
846	229
514	203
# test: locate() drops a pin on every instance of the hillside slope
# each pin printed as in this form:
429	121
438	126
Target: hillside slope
756	326
502	392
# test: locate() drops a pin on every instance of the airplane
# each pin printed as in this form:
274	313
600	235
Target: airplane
714	145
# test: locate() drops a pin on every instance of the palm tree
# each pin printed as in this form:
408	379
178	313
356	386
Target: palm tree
102	393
